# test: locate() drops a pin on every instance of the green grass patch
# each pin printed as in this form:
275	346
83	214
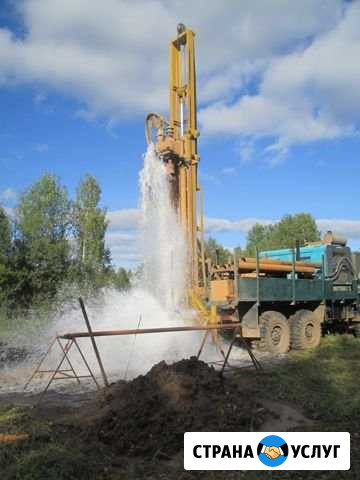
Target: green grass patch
10	414
34	460
324	381
50	452
53	462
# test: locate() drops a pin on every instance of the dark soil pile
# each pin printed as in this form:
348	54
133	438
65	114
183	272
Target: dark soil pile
149	415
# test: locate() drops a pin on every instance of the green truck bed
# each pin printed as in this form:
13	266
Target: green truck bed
291	290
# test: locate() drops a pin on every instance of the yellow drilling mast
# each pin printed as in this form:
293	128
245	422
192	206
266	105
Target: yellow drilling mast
176	145
264	294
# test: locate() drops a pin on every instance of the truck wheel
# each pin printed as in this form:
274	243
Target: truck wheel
356	330
305	330
274	333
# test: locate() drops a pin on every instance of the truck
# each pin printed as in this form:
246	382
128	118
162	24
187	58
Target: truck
293	296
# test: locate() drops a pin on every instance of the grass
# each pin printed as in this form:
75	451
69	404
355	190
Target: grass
45	455
324	383
9	414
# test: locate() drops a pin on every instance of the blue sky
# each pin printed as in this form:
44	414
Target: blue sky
278	107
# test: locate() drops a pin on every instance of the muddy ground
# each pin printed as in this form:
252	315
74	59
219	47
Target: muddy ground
135	429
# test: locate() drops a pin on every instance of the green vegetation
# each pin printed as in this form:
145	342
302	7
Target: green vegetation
216	252
324	384
42	224
283	234
51	244
90	225
42	455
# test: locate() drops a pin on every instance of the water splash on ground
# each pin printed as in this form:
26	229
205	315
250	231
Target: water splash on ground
157	300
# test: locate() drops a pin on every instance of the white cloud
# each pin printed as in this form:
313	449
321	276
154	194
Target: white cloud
42	147
122	236
238	229
349	228
246	150
225	225
228	171
8	194
113	56
126	219
124	248
209	178
307	95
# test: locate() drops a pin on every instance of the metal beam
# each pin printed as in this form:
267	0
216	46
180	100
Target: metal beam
139	331
91	335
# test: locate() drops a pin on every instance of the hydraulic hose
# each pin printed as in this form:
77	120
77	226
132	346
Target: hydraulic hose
153	120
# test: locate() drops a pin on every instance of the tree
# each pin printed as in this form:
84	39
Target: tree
43	211
257	238
5	236
300	227
216	252
5	247
90	226
238	252
38	255
42	225
16	289
121	279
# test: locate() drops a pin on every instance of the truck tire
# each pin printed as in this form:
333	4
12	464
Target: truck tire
356	330
274	333
305	330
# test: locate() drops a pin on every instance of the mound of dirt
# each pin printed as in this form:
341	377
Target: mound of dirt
149	415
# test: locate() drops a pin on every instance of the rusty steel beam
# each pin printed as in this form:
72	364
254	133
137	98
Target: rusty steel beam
139	331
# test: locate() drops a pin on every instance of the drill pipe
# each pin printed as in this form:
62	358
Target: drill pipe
282	262
138	331
264	267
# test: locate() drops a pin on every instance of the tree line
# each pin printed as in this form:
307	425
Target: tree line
290	229
51	241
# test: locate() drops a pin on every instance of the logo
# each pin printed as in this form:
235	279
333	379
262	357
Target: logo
267	451
272	451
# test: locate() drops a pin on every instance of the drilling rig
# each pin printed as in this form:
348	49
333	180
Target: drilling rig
282	298
176	146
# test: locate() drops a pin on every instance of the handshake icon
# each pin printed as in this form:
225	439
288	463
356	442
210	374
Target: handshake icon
273	452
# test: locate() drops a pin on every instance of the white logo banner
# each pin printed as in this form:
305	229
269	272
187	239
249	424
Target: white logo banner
267	451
